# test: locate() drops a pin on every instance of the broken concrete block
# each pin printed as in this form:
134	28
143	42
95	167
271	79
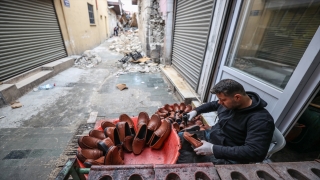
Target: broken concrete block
87	53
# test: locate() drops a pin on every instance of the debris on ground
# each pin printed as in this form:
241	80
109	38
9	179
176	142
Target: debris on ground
88	59
127	42
44	87
134	60
16	104
122	86
141	67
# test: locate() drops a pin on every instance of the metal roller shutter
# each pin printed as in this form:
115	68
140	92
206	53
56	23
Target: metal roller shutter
191	30
29	36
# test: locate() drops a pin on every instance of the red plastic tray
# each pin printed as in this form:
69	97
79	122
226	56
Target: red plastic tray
168	154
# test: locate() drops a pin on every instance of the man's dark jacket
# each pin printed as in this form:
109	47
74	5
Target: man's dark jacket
242	135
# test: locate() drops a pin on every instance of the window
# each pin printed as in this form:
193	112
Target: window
271	37
91	15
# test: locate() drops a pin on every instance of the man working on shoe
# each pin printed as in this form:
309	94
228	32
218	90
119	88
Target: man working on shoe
243	133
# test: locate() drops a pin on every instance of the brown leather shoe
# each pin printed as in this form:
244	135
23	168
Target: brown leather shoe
126	118
181	126
106	123
88	142
153	125
97	134
83	154
89	162
161	114
192	139
176	126
176	107
105	144
113	134
172	115
168	107
139	140
113	157
188	108
160	135
143	118
182	107
162	110
125	135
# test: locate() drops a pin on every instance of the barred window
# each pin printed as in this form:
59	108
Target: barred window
91	15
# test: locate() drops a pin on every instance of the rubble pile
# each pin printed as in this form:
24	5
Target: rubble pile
157	25
147	67
127	42
88	59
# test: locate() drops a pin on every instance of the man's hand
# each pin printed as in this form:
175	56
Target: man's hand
191	115
205	149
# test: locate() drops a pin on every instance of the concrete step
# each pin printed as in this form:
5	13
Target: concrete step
15	87
180	87
29	83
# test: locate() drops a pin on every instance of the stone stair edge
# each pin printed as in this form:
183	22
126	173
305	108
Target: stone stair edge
182	88
15	87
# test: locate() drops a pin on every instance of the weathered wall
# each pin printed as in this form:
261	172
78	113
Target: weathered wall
151	28
78	34
143	24
168	34
112	21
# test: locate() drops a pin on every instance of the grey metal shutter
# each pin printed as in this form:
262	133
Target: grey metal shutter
191	30
29	36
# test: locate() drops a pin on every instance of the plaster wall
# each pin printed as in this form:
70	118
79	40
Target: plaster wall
168	30
163	8
78	34
112	21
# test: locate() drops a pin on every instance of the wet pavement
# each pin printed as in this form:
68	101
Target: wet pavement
34	138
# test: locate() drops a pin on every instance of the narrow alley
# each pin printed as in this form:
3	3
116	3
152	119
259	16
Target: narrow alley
159	89
34	136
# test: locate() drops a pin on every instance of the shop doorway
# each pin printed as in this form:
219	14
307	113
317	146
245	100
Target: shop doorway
303	138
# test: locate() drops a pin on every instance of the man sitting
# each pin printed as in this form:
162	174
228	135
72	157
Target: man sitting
243	133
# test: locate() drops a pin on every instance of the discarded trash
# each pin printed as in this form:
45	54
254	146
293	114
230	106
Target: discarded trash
2	117
125	59
122	86
141	60
142	82
46	87
16	104
135	55
156	87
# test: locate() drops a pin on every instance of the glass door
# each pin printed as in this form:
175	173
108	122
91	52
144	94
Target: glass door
271	49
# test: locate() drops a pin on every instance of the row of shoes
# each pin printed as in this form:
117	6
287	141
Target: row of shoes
177	115
106	147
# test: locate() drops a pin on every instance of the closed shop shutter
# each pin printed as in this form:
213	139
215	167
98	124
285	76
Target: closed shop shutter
191	30
29	36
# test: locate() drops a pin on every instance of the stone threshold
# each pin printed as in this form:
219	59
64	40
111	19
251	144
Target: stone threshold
17	86
180	87
185	93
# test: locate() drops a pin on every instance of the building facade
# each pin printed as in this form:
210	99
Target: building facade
34	33
271	47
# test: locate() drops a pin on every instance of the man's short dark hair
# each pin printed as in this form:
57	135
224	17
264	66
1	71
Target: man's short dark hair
228	87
